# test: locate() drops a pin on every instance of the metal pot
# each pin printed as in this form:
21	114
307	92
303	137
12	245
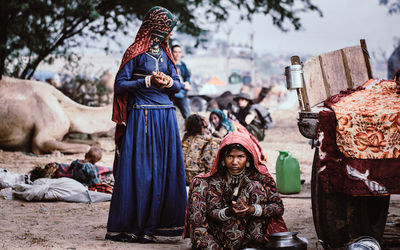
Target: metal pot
364	242
294	77
286	240
308	124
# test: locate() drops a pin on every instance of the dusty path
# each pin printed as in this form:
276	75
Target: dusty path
60	225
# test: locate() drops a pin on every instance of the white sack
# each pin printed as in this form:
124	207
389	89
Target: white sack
9	179
60	189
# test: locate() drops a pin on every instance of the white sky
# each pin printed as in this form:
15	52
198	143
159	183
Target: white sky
343	24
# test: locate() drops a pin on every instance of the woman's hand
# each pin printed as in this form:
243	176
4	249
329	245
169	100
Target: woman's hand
251	209
239	208
187	86
208	129
159	80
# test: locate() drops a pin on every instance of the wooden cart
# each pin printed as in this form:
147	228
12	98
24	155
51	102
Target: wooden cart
338	218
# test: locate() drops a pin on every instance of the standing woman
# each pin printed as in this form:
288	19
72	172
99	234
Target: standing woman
149	196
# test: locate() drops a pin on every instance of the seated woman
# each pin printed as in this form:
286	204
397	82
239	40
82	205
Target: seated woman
222	125
236	205
198	146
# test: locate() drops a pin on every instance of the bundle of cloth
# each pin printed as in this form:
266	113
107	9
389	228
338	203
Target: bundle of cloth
359	151
9	179
45	189
60	189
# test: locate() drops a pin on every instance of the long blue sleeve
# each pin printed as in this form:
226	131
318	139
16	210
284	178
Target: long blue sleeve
131	80
175	77
123	81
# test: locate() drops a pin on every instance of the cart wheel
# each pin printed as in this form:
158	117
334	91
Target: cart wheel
340	218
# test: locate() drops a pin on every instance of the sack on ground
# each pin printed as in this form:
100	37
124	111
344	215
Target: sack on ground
257	132
9	179
61	189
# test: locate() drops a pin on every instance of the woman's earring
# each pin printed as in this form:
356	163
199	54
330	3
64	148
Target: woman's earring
223	163
247	164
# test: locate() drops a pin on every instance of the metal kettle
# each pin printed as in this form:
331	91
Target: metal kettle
286	240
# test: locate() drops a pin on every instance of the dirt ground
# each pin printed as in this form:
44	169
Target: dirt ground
61	225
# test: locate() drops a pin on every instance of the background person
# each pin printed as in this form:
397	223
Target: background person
221	125
199	147
181	100
254	117
149	196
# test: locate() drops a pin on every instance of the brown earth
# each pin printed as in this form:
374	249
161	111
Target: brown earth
61	225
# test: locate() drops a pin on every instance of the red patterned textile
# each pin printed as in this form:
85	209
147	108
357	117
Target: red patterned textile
241	129
369	121
357	177
202	229
250	143
102	188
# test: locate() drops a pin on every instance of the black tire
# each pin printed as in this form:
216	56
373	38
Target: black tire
340	218
196	104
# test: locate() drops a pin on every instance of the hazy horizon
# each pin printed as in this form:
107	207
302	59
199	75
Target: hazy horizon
343	24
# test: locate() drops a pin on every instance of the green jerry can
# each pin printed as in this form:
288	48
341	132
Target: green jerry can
287	173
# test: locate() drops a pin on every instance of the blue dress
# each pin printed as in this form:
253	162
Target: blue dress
149	194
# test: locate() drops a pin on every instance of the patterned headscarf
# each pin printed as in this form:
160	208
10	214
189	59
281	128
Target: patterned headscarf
228	125
250	144
156	26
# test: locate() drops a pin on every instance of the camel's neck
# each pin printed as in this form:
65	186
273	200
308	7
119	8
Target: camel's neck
90	120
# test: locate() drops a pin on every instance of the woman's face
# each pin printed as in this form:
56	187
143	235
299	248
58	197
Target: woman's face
235	161
243	103
215	120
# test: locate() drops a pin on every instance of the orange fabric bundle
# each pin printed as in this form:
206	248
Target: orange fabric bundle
369	122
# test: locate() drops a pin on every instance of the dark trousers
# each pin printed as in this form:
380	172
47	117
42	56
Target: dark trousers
183	106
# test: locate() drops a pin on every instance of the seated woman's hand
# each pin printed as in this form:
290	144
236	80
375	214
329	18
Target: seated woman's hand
251	209
239	208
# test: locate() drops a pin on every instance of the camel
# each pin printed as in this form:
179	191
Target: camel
35	116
